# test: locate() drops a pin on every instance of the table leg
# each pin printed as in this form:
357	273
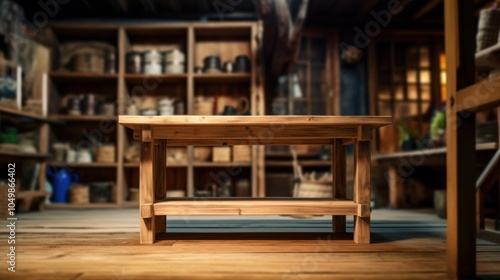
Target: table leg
146	194
160	179
339	181
362	191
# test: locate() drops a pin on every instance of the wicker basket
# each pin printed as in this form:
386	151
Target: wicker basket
105	153
79	194
307	185
487	30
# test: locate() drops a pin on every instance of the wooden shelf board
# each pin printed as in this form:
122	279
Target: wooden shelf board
31	194
153	78
278	163
430	152
222	78
83	77
130	204
169	164
84	165
479	96
82	118
220	164
258	206
82	206
20	113
23	155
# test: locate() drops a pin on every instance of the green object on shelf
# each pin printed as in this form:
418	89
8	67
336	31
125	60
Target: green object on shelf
9	136
438	124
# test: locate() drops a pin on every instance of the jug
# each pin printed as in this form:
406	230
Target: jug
61	181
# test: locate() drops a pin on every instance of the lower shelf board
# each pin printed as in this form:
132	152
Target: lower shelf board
257	206
82	206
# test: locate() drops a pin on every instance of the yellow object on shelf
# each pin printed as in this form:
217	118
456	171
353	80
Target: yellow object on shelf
221	154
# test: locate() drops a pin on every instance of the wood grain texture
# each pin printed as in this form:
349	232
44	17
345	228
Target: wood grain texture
160	179
255	206
339	180
276	121
362	193
460	141
146	191
103	244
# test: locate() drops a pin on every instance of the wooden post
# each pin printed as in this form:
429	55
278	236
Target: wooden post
362	190
479	210
339	185
460	141
160	179
396	188
147	192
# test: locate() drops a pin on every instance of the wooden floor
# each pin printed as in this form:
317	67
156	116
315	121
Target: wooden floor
104	244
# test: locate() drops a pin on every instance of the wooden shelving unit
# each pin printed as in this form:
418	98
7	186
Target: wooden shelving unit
197	40
27	198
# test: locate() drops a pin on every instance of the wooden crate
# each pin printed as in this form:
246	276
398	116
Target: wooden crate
221	154
242	153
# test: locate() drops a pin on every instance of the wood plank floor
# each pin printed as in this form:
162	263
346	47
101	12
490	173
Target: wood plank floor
104	244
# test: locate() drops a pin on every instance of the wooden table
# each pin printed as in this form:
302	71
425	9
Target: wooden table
158	132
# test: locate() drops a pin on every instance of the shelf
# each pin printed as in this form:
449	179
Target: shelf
288	154
169	164
82	118
430	152
221	164
488	58
257	206
31	194
479	96
130	204
155	78
20	113
23	155
84	165
278	163
71	77
222	78
82	206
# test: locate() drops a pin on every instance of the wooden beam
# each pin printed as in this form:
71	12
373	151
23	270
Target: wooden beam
361	194
256	206
148	6
490	174
339	180
367	7
120	6
146	191
460	157
431	5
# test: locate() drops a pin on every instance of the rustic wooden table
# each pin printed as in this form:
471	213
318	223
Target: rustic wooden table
158	132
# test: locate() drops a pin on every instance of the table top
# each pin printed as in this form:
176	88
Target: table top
135	122
253	130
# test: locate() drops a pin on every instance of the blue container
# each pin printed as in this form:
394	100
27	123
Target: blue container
61	181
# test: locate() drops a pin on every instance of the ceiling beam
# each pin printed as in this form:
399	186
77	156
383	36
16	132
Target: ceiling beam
120	6
148	6
431	5
367	7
